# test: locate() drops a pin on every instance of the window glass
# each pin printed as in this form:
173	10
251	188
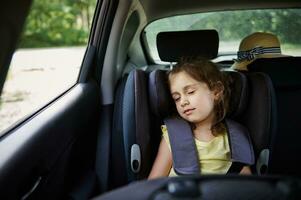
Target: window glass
232	26
48	59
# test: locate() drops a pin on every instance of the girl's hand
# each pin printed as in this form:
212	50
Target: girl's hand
246	170
163	162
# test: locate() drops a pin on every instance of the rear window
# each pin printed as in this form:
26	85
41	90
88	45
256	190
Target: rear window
232	27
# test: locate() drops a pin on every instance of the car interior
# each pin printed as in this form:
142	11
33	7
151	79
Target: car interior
99	138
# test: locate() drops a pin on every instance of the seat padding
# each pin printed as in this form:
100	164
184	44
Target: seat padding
134	144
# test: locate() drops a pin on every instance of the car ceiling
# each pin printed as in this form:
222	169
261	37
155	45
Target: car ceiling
155	9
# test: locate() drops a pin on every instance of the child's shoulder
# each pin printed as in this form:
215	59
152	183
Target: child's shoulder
164	131
163	128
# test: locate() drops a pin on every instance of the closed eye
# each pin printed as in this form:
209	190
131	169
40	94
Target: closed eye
191	91
176	99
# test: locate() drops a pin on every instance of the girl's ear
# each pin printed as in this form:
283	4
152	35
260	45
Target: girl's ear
218	90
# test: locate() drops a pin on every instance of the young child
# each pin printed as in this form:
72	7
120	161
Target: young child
201	95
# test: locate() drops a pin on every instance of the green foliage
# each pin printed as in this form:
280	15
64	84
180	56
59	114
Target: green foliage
235	25
58	23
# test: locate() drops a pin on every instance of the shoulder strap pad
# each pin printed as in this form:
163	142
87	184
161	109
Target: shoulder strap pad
240	143
183	148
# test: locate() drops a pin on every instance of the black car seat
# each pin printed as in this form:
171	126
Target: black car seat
134	143
252	111
260	118
256	112
285	73
136	131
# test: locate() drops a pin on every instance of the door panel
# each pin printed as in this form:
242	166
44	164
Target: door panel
41	156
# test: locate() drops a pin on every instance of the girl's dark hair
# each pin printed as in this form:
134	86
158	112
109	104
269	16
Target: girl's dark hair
204	70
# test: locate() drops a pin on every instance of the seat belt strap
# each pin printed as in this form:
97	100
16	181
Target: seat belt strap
183	148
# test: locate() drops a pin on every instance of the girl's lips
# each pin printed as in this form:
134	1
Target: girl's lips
188	111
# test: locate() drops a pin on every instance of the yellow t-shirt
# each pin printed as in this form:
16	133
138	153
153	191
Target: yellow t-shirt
214	156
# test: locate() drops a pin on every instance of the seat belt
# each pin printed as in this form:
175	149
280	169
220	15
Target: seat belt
184	152
185	155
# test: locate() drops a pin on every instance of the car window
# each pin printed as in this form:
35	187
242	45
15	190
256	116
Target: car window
48	58
231	29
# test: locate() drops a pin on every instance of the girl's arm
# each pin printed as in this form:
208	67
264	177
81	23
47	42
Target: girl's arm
163	162
246	170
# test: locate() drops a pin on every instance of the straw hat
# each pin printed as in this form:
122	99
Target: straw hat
256	45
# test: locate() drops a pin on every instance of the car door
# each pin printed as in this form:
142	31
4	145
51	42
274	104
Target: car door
50	153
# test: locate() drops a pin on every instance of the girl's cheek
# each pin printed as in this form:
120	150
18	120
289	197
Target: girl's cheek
177	107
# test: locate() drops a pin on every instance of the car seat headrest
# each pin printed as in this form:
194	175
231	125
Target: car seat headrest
160	99
198	43
239	94
285	72
162	105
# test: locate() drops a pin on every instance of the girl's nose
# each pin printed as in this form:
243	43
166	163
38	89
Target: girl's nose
184	102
